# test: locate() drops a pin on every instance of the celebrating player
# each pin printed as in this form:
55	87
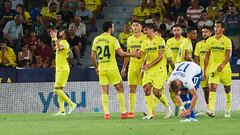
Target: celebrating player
219	50
103	57
199	55
62	71
185	79
134	43
153	68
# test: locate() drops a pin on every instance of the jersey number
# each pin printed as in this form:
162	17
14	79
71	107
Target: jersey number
182	67
105	51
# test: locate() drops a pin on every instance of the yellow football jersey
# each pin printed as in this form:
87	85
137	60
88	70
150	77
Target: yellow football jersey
185	45
105	46
200	51
173	45
151	48
92	4
217	50
141	14
133	44
122	37
62	55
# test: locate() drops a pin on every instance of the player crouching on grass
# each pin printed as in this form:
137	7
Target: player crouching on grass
184	81
62	71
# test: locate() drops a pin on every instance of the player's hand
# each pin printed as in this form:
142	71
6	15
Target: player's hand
204	76
220	68
146	67
185	113
53	33
134	54
123	72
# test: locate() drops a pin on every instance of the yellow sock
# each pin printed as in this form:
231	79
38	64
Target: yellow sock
154	102
172	96
105	103
228	101
149	104
212	100
132	101
121	101
61	104
164	100
62	95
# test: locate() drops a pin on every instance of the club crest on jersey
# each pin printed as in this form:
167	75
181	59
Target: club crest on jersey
222	43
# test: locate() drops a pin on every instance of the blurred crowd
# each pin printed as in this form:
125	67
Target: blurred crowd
25	27
164	14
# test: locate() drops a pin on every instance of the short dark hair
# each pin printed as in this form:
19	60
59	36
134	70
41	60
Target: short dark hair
221	23
174	86
106	25
136	21
149	25
206	27
177	25
189	29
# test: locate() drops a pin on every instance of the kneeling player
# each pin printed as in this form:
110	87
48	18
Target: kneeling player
184	81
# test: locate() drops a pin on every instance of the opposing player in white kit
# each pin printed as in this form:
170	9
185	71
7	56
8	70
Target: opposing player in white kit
184	81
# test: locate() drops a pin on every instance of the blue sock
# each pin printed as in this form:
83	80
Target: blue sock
185	98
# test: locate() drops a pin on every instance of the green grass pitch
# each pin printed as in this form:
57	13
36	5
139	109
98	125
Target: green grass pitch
94	124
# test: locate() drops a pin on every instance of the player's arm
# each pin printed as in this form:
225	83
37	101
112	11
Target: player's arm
155	61
170	62
187	56
125	63
196	59
94	60
227	58
194	94
179	100
121	53
206	62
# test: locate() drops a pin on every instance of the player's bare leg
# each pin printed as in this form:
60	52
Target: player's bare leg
132	101
162	97
121	99
206	96
105	93
148	99
228	101
212	100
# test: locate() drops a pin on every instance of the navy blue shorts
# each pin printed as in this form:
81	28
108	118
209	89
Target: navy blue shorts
197	80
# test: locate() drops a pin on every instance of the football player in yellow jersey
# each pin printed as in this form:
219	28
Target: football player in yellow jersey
185	49
173	44
123	36
62	71
199	56
134	43
103	56
168	61
153	69
219	51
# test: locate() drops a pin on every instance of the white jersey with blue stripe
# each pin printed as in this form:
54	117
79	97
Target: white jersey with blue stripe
189	73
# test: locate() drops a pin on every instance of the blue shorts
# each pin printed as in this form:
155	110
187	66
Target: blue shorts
197	79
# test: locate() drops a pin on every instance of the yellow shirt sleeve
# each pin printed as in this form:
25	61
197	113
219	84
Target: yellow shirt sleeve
228	44
196	52
117	45
94	45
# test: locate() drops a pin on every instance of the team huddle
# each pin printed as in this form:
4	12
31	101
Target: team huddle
150	62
